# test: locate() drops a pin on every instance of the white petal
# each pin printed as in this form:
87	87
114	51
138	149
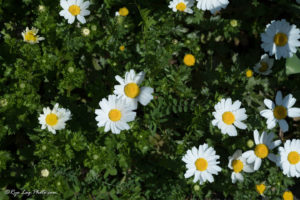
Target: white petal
269	103
120	79
271	123
256	137
272	157
85	5
275	144
240	125
278	98
240	177
283	125
257	164
189	173
267	113
248	168
145	95
294	112
196	177
81	19
71	19
231	130
85	13
64	4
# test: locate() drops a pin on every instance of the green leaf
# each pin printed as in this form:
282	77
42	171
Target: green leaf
293	64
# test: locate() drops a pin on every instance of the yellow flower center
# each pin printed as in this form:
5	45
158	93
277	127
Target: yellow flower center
189	60
228	118
280	112
261	151
280	39
294	157
51	119
114	115
181	6
74	10
249	73
263	67
237	166
122	48
288	195
201	164
132	90
30	36
123	11
260	188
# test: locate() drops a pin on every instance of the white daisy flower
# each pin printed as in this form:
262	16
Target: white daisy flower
202	163
279	111
73	9
212	5
54	119
122	12
264	144
114	114
182	5
280	38
30	35
289	158
130	90
238	164
265	65
228	116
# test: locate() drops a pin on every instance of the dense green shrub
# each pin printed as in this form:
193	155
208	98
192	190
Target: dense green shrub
77	71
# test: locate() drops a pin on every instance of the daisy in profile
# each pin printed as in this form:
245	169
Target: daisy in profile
54	119
212	5
289	158
287	195
130	90
229	115
265	65
280	111
249	73
189	60
264	144
280	38
238	164
201	163
260	189
182	6
73	9
122	12
114	114
31	35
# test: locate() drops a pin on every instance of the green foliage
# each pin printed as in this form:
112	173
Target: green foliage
77	71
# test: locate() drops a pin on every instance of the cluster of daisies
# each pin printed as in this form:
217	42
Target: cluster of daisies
186	5
72	9
202	163
118	109
280	37
281	40
115	111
